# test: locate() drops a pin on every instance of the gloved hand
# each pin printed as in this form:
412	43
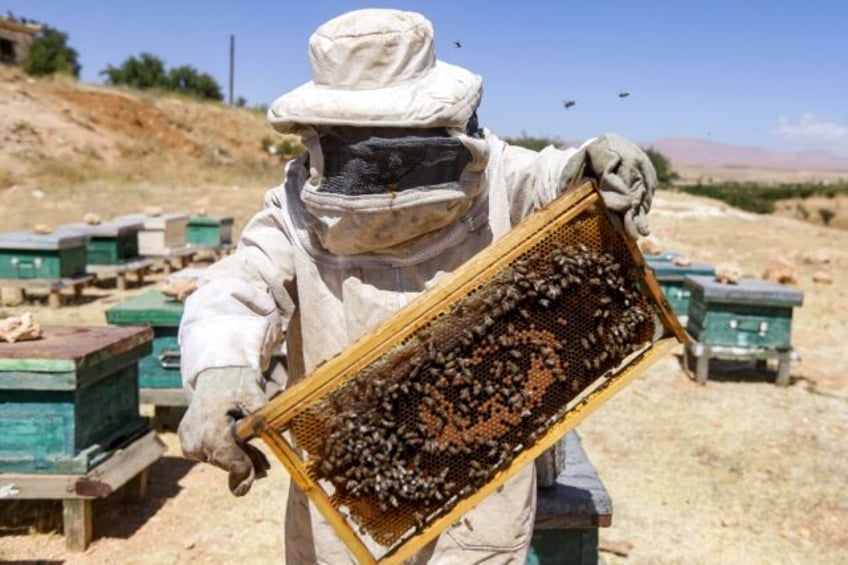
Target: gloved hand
626	178
222	396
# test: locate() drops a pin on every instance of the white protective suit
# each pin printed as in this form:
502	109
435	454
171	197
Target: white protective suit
314	270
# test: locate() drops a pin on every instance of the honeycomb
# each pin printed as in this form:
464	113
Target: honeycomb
462	392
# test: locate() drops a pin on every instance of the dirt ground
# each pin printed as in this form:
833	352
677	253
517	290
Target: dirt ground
737	471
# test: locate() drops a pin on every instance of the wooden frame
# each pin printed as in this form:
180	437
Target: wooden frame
268	422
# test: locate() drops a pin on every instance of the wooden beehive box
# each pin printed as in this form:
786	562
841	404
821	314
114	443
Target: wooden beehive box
418	421
28	255
209	231
159	234
161	368
70	397
753	313
671	276
110	243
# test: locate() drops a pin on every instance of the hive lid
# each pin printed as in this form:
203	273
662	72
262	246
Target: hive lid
112	228
155	222
210	220
58	239
151	308
665	271
55	361
748	291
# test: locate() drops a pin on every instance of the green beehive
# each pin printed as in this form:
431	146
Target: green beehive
69	398
28	255
209	230
670	277
751	314
160	369
110	243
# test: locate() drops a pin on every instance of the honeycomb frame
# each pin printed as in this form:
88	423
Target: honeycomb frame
415	423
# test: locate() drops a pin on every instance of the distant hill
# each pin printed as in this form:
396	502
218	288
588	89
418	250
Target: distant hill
705	153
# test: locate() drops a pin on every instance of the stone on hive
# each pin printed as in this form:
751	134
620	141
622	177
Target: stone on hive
681	261
42	228
92	219
650	245
19	328
728	273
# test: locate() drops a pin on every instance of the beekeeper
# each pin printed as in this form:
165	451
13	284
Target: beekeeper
398	186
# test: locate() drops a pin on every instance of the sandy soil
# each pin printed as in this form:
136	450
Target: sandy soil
737	471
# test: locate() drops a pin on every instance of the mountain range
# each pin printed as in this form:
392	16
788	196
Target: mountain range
688	152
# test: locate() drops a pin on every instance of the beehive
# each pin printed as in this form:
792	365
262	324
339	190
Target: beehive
671	276
423	417
29	255
209	231
753	313
159	234
69	398
161	368
110	243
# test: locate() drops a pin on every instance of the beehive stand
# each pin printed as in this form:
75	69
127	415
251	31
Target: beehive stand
418	421
125	467
751	320
69	422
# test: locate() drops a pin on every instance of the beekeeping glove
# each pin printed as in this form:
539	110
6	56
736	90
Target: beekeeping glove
625	175
221	397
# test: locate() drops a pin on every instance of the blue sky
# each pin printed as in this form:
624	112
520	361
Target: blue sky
769	74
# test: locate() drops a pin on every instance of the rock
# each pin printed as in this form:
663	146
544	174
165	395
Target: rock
681	261
650	245
819	256
19	328
42	229
728	273
822	277
153	210
178	288
780	270
92	219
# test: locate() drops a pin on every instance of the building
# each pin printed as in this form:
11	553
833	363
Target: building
15	38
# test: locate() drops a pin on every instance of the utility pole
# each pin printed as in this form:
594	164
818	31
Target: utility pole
232	64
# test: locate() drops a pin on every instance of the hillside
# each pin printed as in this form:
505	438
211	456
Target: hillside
64	143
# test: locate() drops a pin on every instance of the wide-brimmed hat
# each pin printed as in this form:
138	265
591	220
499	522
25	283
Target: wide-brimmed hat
378	68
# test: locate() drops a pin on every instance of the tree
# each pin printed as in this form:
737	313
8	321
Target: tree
50	53
148	71
188	80
665	175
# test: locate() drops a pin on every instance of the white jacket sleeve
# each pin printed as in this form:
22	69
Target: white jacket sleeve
238	315
531	178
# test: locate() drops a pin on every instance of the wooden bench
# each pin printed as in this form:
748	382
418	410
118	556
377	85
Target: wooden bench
138	267
569	514
54	287
174	258
126	466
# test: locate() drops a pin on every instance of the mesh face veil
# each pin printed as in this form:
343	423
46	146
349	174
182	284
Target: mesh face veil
359	161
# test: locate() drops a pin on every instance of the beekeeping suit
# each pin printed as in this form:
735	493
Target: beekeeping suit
398	187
